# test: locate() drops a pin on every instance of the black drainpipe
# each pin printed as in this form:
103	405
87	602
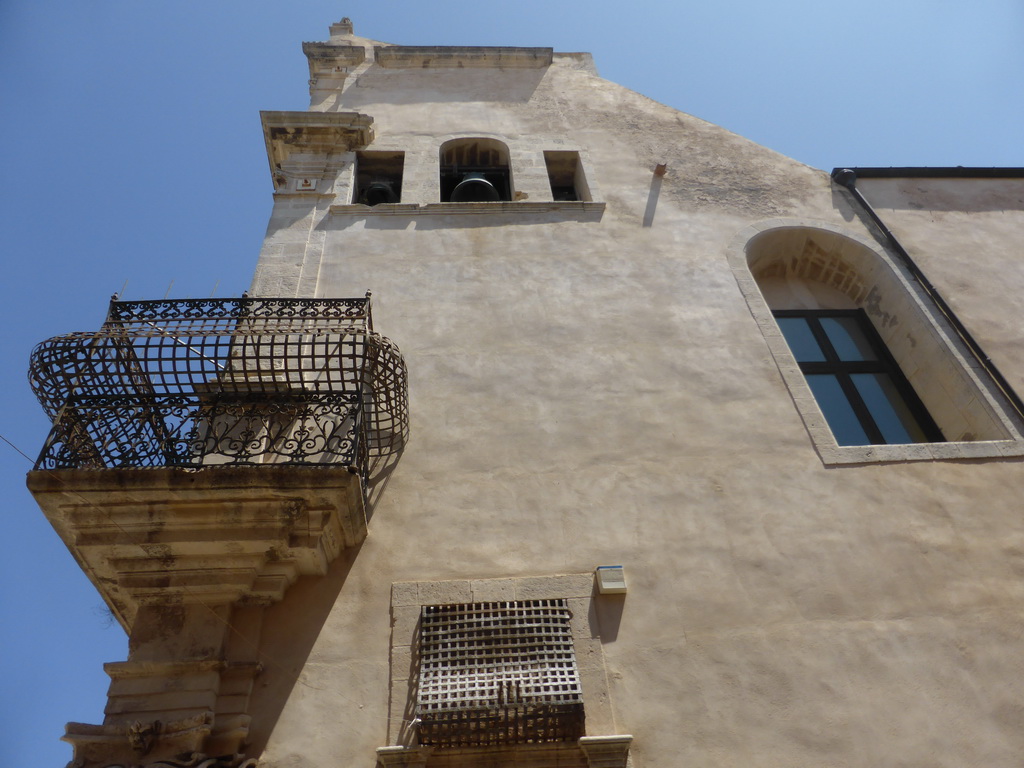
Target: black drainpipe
847	177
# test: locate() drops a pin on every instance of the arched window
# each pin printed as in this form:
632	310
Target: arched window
860	389
475	170
869	349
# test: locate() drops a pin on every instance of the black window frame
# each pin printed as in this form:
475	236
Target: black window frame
843	369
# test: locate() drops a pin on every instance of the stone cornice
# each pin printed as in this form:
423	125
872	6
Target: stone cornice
447	57
331	63
319	133
338	55
465	209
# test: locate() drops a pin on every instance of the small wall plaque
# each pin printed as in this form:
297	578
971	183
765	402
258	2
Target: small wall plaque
611	579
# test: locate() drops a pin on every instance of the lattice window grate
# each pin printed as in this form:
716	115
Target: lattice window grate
498	673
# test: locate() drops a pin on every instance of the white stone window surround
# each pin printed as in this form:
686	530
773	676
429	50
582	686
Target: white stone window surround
498	673
578	589
1012	445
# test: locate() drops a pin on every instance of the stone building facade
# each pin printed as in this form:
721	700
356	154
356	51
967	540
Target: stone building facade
676	451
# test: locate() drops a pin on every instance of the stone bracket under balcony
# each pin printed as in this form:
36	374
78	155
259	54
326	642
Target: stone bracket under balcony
145	723
222	535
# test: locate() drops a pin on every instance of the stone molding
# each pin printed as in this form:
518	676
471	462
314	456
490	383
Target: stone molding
218	536
588	752
404	757
326	133
334	54
606	751
578	589
448	57
445	209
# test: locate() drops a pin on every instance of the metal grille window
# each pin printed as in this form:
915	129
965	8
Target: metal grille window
498	673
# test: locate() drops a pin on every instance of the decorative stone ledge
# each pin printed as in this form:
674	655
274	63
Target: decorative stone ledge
606	751
334	55
403	757
589	752
383	209
448	57
462	209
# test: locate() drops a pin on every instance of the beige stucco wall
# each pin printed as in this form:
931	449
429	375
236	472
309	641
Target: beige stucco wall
965	234
591	388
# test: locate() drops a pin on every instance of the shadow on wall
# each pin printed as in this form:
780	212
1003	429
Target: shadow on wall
843	204
652	199
606	615
289	630
469	221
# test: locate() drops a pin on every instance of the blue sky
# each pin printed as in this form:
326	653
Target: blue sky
133	152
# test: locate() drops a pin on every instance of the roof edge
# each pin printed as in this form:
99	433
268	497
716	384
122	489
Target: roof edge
928	172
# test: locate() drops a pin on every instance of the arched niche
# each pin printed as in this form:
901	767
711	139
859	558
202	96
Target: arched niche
475	170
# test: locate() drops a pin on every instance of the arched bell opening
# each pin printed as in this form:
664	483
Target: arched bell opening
475	170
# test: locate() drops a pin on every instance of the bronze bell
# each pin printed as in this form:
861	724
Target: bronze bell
475	188
378	192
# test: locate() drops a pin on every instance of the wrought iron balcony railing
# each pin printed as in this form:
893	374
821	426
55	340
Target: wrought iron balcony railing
246	381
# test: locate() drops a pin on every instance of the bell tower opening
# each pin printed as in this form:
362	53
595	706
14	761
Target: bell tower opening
475	170
378	177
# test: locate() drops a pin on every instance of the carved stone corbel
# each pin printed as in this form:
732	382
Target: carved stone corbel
142	735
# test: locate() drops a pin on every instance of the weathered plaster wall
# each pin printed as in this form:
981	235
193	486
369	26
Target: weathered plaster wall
591	389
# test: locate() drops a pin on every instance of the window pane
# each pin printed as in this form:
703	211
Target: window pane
800	339
847	338
838	413
888	408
